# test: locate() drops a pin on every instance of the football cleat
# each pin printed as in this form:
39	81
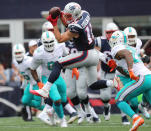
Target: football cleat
63	123
144	111
137	122
107	113
125	120
73	117
41	92
43	116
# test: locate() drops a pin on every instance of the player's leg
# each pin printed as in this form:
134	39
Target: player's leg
71	93
28	98
88	76
130	90
58	96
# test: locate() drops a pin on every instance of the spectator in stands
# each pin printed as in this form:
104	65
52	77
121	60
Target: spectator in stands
2	75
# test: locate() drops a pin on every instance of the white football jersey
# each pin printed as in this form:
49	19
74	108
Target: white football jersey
47	59
24	69
138	46
138	65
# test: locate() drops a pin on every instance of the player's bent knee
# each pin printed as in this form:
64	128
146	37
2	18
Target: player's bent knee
57	103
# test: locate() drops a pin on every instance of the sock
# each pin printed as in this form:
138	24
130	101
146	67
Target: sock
106	104
69	108
75	100
100	84
59	110
48	101
134	116
123	114
79	109
123	106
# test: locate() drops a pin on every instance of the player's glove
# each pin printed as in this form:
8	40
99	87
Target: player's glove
132	75
112	64
53	21
76	73
146	59
63	19
40	85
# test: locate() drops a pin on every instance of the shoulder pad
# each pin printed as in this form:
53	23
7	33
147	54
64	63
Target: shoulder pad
38	52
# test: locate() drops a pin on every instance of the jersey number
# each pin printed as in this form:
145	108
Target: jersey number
89	33
50	65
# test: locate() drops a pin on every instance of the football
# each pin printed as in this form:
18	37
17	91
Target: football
54	12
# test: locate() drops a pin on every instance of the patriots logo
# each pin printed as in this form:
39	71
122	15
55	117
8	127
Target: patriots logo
72	7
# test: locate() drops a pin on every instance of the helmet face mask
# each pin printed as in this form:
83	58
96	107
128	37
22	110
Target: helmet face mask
48	40
71	12
131	35
18	52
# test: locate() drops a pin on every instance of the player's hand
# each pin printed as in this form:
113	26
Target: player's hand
76	73
63	20
40	85
112	64
52	20
132	75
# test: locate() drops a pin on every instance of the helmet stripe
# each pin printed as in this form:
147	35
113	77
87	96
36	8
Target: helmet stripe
47	34
125	40
130	29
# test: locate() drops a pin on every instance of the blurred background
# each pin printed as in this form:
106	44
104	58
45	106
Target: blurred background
21	21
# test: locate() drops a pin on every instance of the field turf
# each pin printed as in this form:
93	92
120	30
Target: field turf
114	124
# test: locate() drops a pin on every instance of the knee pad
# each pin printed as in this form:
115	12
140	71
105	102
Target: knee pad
82	95
105	94
71	94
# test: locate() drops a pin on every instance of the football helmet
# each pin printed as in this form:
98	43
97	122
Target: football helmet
47	26
110	28
48	40
118	37
131	35
18	52
71	12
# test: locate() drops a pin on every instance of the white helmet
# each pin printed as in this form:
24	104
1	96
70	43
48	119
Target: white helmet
72	11
18	52
110	28
131	35
118	37
47	26
48	40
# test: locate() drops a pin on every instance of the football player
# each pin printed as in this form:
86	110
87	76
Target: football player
134	41
105	94
46	55
23	65
127	58
80	30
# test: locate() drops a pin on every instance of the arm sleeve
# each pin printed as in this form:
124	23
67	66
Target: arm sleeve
35	62
98	42
102	57
74	28
117	49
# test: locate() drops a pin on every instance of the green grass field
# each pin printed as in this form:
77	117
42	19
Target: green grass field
17	124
